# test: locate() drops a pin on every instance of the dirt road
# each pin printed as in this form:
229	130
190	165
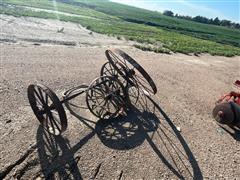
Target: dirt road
142	145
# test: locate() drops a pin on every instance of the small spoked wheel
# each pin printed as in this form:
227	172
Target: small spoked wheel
106	97
47	108
133	94
130	70
108	70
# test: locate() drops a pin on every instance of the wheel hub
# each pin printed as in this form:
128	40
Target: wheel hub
131	72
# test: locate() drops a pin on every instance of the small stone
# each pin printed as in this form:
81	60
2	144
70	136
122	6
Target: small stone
220	131
8	121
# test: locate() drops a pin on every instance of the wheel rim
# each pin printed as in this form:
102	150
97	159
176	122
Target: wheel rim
47	108
105	97
108	70
133	94
135	72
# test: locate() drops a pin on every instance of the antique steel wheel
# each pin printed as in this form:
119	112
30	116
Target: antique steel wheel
132	91
47	108
105	97
108	70
132	71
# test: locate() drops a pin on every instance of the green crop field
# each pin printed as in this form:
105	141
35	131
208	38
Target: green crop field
152	30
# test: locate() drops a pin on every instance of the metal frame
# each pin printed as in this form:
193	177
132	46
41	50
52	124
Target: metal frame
108	95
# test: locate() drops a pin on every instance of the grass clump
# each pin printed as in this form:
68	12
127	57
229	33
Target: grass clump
152	48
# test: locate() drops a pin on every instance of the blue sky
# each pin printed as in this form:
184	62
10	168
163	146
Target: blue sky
224	9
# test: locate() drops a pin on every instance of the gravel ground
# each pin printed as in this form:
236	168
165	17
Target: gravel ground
175	139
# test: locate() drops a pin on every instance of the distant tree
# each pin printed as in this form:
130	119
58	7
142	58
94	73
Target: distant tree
216	21
188	17
201	19
204	20
168	13
236	25
183	17
225	23
211	21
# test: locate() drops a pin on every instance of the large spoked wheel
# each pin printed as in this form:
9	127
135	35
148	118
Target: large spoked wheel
106	97
47	108
132	71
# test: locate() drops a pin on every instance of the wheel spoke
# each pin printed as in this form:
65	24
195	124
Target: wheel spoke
99	104
94	106
142	78
145	87
50	119
46	99
96	97
53	121
96	90
101	112
118	59
56	114
112	69
109	71
114	105
39	103
46	119
42	102
41	94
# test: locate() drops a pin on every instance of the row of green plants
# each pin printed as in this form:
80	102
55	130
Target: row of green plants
152	38
141	16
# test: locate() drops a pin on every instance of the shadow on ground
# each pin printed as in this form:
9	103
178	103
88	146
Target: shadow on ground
234	131
145	121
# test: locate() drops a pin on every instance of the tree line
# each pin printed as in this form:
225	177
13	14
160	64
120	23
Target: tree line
201	19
